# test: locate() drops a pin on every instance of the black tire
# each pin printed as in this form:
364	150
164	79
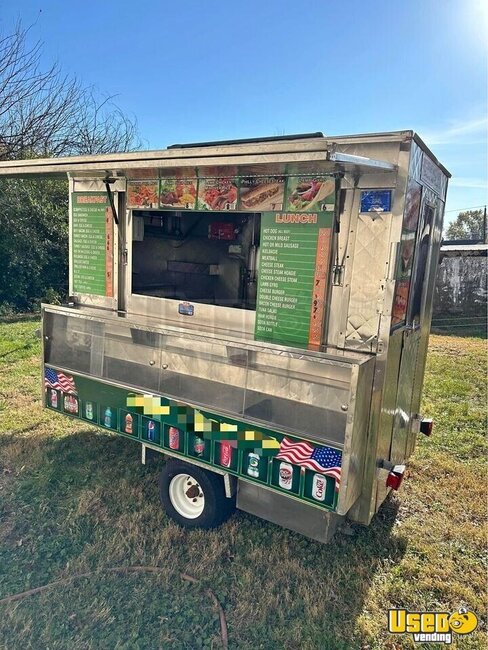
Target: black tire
217	507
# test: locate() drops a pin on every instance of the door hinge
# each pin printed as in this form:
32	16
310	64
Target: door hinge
338	275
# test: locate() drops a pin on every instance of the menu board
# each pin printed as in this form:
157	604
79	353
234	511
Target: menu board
92	244
293	276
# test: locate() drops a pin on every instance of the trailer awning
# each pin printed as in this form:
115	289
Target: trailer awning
298	156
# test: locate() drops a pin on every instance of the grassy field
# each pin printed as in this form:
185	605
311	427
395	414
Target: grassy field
74	499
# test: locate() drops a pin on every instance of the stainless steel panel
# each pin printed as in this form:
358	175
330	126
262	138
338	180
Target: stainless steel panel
128	361
363	163
357	436
427	307
72	343
403	410
282	510
288	394
349	238
385	376
387	416
339	305
239	320
371	256
96	185
415	162
297	392
326	355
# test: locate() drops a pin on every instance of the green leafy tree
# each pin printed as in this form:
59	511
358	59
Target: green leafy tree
34	242
467	225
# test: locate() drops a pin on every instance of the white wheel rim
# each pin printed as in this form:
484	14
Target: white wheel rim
186	496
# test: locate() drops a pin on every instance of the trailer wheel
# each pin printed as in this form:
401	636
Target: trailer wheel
192	496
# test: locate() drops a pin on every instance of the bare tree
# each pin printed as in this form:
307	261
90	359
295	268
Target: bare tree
46	112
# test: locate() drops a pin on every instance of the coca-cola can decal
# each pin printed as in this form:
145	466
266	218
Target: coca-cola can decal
225	453
174	438
319	486
285	476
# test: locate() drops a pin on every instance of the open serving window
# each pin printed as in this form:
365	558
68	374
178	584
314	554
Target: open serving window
196	257
245	253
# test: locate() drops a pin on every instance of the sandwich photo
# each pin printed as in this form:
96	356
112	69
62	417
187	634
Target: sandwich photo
310	193
265	196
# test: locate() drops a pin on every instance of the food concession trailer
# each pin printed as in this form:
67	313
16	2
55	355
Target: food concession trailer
258	311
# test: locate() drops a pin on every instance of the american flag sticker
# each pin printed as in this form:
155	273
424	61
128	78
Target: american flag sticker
325	460
59	381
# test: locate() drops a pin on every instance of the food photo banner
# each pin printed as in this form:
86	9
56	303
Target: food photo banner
300	193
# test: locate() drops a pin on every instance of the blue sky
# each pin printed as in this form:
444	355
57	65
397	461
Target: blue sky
192	71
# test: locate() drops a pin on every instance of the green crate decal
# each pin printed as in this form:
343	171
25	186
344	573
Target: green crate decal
293	466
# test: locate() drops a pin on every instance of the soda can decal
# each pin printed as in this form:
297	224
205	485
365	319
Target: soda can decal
253	465
128	423
319	486
285	476
89	411
199	446
150	430
225	453
54	398
174	438
107	419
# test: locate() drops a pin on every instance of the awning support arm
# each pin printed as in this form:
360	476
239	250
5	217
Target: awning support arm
110	195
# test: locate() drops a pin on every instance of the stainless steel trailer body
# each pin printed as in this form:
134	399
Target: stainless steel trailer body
258	309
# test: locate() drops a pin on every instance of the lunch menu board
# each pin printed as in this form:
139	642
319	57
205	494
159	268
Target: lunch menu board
293	276
92	244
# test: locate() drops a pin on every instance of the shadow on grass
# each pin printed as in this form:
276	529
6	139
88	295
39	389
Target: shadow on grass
85	501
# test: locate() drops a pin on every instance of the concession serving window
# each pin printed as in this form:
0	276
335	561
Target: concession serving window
203	257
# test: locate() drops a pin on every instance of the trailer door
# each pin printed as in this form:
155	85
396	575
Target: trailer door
415	334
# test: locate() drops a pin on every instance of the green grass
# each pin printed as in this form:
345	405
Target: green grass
74	499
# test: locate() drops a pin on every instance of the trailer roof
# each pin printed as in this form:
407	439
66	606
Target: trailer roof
307	149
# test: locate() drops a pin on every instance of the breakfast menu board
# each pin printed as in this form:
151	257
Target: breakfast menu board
293	276
92	244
